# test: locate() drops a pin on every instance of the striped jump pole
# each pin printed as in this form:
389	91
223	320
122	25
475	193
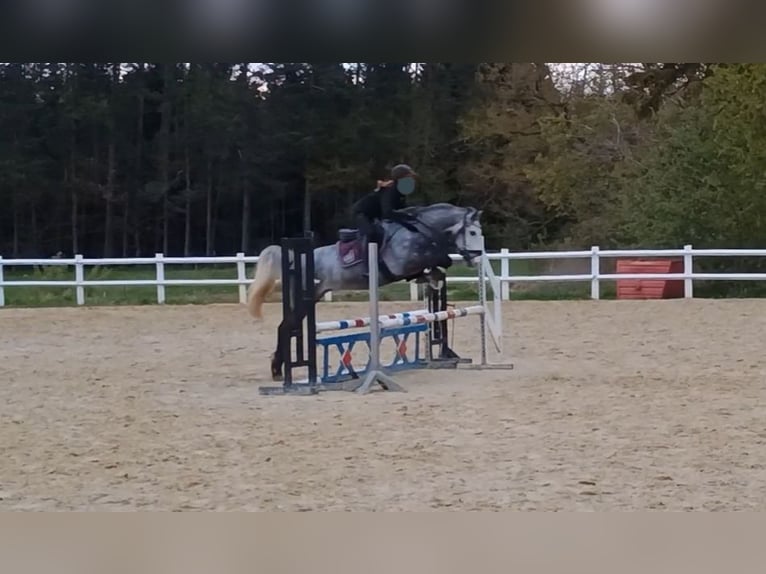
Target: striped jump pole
433	317
365	321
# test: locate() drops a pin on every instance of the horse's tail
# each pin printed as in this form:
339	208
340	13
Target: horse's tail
267	273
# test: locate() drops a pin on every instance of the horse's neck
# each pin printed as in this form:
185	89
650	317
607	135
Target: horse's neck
441	215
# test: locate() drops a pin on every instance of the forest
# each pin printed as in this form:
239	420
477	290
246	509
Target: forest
129	159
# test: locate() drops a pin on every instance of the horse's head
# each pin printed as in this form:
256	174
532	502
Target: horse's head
467	235
460	226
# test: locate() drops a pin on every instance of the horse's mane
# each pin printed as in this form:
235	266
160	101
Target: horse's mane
415	209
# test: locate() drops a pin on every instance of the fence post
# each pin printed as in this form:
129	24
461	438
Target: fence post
414	296
328	296
2	289
241	277
160	265
688	271
505	271
79	278
595	271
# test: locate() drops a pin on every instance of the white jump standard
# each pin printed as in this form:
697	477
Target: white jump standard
374	372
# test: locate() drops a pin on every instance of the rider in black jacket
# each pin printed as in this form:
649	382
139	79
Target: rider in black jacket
383	202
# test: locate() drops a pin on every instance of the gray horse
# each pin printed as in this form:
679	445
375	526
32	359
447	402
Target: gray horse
407	254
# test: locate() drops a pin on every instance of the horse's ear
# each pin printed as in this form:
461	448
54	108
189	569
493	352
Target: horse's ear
477	217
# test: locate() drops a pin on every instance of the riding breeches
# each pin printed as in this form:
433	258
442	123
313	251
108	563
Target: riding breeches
367	228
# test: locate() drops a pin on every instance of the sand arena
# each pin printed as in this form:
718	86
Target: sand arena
612	406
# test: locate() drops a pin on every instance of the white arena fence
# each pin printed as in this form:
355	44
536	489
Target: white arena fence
504	256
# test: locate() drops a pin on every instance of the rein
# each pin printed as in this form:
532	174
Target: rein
437	236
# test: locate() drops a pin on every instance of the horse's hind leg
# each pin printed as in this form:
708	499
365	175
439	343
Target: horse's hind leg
283	341
276	366
277	359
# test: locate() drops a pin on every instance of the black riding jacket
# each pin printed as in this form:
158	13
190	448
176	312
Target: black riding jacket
380	204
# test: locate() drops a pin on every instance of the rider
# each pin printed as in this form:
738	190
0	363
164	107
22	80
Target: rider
383	201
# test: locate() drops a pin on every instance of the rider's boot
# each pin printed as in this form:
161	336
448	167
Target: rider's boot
383	270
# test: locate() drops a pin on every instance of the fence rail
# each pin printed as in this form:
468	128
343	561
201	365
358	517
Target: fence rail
504	256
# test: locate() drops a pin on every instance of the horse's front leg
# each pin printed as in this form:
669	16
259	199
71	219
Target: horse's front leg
434	277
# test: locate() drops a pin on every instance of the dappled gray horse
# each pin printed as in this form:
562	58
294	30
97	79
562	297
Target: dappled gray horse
407	254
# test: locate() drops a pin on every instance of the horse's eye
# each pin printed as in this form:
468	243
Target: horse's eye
473	233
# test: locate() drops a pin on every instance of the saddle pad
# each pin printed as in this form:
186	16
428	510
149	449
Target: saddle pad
350	252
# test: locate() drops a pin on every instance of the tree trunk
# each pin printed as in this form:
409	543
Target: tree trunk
283	212
15	247
188	226
306	206
187	176
163	162
75	230
109	198
35	234
139	176
209	210
74	194
272	221
246	208
125	225
111	167
217	195
158	220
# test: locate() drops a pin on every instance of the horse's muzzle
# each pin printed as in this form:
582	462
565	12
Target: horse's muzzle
470	257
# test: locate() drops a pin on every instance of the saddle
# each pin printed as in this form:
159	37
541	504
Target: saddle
352	250
350	247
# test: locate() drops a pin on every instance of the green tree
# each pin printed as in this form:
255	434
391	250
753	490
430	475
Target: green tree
582	174
501	136
703	180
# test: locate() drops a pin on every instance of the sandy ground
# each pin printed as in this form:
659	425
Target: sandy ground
612	406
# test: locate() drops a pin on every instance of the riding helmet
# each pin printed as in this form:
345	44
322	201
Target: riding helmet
402	170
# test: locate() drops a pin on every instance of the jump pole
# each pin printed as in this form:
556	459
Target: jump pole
375	374
433	317
358	322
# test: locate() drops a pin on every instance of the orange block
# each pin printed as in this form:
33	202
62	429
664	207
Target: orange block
650	288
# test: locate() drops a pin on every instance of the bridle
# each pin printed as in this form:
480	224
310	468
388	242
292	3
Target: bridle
468	254
442	240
